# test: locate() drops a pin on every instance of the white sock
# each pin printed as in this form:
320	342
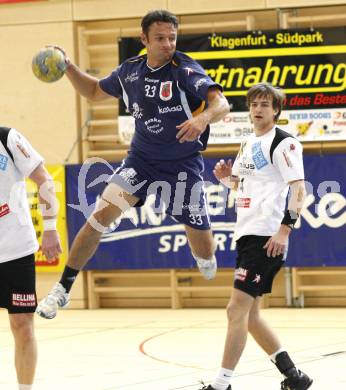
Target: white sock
273	356
223	379
24	387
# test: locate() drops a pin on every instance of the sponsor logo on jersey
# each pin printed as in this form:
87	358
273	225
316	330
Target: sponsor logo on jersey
130	78
149	80
129	175
137	112
166	90
23	300
258	156
154	125
4	210
240	274
243	202
165	110
199	83
245	165
3	162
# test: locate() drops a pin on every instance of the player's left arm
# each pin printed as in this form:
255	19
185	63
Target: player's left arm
277	244
51	247
289	160
218	107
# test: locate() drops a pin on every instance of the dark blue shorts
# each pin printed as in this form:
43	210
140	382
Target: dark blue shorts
178	187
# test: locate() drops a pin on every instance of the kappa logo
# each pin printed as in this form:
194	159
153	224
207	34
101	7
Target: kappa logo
149	80
240	274
166	88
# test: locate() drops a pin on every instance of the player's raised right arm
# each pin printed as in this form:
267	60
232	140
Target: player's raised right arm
86	85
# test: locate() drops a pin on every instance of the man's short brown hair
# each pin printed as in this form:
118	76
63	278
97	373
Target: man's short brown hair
267	90
161	16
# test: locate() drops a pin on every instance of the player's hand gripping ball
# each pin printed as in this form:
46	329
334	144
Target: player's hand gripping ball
49	64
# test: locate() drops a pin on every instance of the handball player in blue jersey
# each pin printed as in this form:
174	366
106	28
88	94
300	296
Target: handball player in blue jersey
173	102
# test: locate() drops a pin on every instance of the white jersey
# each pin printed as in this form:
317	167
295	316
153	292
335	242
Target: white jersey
17	233
265	165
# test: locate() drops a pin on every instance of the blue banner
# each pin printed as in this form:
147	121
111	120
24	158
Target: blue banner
145	239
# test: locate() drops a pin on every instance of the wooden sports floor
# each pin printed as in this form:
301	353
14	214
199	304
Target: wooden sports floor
155	349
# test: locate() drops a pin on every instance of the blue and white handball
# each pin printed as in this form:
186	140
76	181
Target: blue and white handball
49	64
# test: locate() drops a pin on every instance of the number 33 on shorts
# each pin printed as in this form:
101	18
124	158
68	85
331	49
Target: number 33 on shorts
196	219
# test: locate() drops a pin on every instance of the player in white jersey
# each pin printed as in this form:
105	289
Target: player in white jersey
269	163
18	243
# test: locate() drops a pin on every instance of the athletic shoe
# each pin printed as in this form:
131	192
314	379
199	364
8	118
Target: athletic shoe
298	381
207	268
57	297
210	387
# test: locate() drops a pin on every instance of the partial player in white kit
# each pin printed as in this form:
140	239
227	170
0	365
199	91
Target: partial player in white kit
18	243
268	165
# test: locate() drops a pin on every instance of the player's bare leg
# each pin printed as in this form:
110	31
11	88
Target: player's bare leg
261	331
113	202
22	326
269	342
238	310
203	250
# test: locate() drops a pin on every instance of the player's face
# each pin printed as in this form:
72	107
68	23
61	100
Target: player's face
262	113
160	43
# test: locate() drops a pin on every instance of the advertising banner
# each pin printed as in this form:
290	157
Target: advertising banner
309	65
148	239
42	264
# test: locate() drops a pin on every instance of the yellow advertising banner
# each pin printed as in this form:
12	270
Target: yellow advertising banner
42	264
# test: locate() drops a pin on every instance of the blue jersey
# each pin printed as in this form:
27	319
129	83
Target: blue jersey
159	100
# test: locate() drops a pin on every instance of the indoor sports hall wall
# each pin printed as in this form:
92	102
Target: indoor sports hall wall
51	115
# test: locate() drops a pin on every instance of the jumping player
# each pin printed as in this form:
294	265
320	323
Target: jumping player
173	102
